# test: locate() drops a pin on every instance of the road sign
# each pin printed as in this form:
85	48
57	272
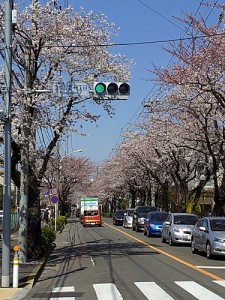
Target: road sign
70	89
54	191
54	199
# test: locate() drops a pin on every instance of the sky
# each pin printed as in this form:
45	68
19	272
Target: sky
139	21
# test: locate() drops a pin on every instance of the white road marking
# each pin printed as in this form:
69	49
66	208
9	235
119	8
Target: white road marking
198	291
93	263
210	267
220	282
63	289
152	291
107	291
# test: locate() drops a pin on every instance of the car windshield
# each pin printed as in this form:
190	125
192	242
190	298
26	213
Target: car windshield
217	225
158	217
130	212
146	209
90	212
185	219
120	213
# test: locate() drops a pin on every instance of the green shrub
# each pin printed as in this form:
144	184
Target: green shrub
60	223
106	215
47	238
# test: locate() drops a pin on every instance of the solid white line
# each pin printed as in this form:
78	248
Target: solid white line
152	291
93	263
63	289
210	267
198	291
107	291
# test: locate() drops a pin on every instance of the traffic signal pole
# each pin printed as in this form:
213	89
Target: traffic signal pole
7	147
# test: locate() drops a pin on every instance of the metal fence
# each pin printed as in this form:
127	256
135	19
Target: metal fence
14	222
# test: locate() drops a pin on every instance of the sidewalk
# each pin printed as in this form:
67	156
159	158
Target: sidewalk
28	273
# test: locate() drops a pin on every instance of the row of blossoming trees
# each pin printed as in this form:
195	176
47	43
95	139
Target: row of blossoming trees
184	130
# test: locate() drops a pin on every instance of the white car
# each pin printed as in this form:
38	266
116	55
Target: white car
177	228
128	217
208	236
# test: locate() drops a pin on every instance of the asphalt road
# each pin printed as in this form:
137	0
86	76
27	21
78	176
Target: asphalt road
114	263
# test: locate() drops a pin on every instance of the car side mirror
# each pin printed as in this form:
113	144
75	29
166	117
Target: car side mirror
167	222
125	214
203	228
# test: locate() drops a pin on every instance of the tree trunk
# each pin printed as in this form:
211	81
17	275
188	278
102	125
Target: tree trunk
34	249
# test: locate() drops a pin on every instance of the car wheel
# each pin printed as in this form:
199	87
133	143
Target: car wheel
193	249
208	251
163	240
171	243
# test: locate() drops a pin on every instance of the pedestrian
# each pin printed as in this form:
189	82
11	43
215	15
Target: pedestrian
46	216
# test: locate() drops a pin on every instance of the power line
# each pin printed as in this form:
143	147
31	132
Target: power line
160	15
136	43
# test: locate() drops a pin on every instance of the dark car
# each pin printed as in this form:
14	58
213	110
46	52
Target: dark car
118	217
153	223
139	215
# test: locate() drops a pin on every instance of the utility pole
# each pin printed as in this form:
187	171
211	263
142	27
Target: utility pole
7	147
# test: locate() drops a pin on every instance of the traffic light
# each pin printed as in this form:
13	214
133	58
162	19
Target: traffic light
111	90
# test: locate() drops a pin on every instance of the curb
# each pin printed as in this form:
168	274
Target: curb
36	273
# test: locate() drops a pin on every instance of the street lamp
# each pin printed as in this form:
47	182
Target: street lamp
75	151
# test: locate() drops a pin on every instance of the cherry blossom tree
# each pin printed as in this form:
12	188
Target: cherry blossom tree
50	44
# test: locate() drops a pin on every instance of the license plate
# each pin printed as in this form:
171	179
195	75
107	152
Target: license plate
92	223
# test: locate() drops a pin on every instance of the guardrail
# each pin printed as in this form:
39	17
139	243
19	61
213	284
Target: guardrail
14	222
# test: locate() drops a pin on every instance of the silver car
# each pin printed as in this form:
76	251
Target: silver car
128	217
177	228
208	235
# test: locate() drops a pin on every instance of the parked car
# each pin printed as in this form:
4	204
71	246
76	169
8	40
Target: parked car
118	217
177	228
128	217
208	235
153	223
1	220
139	215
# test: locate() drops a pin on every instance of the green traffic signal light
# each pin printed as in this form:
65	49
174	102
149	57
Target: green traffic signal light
100	88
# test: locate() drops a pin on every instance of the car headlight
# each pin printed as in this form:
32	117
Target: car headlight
219	240
152	225
176	229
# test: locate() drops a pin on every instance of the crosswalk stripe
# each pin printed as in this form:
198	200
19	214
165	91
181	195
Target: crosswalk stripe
107	291
152	291
198	291
63	289
220	282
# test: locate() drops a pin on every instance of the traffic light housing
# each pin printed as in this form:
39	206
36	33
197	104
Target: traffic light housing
111	90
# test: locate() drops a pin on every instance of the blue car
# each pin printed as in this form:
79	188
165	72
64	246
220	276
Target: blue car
153	223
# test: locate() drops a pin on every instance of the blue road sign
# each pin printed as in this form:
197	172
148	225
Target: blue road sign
54	199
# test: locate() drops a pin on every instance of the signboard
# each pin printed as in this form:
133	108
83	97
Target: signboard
54	191
54	199
70	89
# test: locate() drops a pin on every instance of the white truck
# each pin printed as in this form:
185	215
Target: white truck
88	204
